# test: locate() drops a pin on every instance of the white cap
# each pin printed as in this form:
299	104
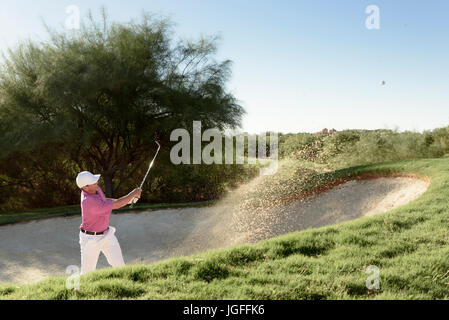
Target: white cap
85	178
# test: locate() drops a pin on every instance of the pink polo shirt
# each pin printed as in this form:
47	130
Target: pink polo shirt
95	211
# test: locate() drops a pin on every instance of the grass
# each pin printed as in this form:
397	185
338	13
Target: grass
409	245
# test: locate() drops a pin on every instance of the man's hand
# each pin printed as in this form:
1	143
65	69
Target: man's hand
123	201
136	193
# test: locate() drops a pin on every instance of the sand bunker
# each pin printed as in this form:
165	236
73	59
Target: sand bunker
35	250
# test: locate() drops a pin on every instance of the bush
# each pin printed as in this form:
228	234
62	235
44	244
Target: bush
358	147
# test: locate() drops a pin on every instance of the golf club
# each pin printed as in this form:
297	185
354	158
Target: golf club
134	200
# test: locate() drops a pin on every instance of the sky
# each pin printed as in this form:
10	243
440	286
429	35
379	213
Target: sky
298	65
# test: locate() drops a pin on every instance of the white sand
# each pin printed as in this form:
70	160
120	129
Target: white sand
35	250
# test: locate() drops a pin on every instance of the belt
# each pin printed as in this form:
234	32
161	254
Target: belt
93	233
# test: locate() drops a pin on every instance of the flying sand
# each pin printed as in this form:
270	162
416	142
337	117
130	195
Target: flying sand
34	250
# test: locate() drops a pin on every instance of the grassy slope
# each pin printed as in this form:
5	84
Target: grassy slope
409	245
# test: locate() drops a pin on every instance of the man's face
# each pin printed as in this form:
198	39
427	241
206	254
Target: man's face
91	188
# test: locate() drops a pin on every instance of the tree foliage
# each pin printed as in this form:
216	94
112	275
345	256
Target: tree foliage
97	98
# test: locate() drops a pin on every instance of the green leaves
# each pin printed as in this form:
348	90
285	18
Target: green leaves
103	92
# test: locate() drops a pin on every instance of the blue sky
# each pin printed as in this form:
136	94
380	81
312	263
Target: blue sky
299	66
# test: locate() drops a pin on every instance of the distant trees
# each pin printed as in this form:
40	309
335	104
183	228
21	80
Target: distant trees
325	131
356	147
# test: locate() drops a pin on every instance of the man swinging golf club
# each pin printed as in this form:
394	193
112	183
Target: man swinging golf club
95	233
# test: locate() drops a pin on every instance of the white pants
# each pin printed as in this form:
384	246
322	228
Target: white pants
92	245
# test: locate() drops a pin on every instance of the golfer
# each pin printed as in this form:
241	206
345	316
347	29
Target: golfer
95	233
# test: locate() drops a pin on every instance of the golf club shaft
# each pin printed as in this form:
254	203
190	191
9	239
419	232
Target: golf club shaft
134	200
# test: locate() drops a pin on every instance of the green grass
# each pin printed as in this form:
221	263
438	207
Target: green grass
409	245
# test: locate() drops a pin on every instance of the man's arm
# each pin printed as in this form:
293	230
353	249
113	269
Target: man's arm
123	201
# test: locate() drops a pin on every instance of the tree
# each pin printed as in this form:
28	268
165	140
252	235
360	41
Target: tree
104	92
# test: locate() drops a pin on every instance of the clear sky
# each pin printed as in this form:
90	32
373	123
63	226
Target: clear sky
299	66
